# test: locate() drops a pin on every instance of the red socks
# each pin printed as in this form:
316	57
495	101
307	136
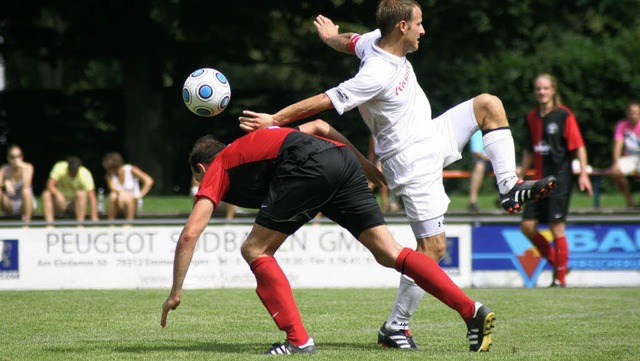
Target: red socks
545	249
275	293
431	278
558	257
562	259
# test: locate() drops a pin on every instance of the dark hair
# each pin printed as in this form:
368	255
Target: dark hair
204	151
390	12
112	160
74	164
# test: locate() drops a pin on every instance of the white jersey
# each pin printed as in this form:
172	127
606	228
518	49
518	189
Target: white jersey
388	96
412	147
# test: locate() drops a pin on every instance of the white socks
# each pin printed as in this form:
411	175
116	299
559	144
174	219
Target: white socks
498	144
407	301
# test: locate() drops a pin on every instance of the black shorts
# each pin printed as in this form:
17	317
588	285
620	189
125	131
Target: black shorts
330	182
552	209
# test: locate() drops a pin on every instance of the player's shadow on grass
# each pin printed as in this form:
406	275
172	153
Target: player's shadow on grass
240	348
213	347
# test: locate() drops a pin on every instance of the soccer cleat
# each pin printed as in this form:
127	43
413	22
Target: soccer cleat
556	284
525	191
396	339
287	348
556	281
480	328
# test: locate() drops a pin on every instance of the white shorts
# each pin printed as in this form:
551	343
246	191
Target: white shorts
629	164
418	169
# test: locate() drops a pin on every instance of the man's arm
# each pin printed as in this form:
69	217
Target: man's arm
251	121
329	34
583	180
198	220
52	186
321	128
618	147
93	204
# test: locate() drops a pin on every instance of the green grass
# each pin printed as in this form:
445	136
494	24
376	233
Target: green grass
231	324
459	202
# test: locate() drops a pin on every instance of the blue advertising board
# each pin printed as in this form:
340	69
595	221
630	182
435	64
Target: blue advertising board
9	259
591	247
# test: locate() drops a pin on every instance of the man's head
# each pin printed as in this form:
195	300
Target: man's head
74	165
633	111
202	154
403	14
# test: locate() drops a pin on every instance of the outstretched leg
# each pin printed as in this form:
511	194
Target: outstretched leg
428	275
498	143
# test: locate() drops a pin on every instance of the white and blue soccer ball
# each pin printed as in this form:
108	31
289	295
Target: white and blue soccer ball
206	92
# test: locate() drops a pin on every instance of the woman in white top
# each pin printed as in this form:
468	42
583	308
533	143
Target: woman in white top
16	194
127	184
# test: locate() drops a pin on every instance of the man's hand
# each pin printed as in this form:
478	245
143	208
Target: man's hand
585	184
171	303
374	175
326	28
253	121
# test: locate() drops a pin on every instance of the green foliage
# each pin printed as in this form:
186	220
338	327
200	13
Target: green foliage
117	68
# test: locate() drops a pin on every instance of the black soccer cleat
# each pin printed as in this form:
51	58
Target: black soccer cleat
525	191
287	348
396	339
480	328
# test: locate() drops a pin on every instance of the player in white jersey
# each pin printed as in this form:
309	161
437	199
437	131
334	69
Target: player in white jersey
413	147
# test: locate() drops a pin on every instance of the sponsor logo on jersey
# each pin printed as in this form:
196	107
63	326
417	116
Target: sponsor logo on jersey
405	80
542	148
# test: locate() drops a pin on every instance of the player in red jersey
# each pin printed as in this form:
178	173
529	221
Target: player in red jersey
290	176
552	142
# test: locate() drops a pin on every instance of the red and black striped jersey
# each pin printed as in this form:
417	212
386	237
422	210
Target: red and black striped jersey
241	173
553	139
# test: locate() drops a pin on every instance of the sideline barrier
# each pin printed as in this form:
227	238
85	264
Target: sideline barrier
605	252
99	257
601	255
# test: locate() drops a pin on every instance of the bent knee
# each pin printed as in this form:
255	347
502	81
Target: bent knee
434	247
489	111
488	102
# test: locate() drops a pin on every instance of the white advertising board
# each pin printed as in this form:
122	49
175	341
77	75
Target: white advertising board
318	255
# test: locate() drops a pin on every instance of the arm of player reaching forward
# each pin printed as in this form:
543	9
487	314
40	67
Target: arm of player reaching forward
251	120
329	34
198	220
321	128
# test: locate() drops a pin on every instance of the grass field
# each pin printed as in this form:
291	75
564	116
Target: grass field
459	202
231	324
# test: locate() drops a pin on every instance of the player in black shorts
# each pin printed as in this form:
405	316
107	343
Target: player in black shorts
290	176
553	141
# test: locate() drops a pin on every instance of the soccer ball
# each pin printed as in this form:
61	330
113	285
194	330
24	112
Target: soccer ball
206	92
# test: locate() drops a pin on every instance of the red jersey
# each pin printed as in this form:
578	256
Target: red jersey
553	139
241	173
